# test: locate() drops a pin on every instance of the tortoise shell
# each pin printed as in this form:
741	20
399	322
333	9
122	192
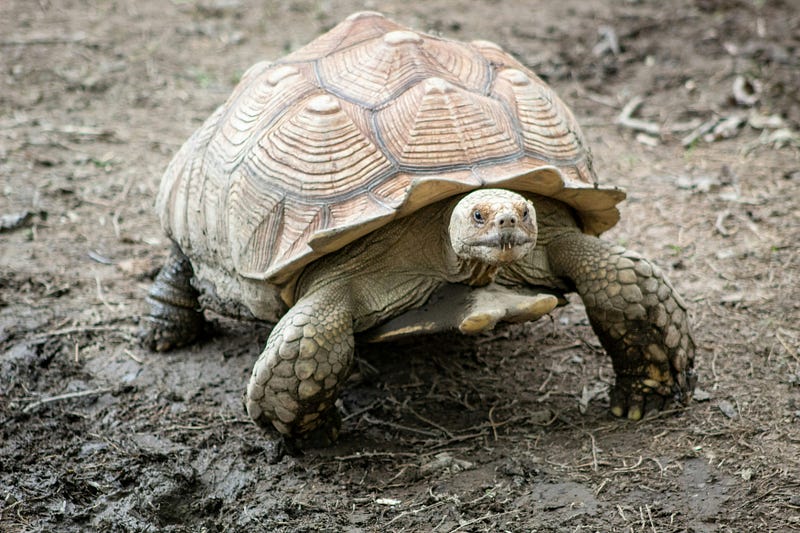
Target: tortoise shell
369	122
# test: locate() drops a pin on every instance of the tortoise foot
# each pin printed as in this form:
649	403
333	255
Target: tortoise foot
296	380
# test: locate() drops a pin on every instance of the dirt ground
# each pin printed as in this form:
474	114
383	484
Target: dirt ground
508	432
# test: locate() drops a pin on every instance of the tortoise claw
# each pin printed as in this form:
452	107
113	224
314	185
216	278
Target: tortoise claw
322	436
634	398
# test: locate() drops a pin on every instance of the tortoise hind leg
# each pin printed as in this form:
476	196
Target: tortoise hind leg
638	316
175	318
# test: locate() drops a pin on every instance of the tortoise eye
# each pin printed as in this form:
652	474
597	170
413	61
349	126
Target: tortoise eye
525	214
478	216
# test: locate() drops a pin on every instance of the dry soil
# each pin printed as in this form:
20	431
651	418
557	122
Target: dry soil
508	432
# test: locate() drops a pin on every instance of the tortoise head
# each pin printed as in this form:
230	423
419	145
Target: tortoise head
494	226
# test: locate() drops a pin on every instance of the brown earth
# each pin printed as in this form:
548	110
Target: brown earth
508	432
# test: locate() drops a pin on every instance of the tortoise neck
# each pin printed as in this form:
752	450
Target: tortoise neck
470	271
480	273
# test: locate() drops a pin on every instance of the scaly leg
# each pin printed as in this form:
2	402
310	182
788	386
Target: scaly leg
175	318
297	378
638	316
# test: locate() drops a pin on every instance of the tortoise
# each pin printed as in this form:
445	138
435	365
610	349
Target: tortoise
384	181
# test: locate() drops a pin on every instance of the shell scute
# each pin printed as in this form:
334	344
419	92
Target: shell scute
375	72
437	125
547	128
312	154
357	28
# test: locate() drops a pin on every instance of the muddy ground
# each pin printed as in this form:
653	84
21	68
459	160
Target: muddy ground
508	432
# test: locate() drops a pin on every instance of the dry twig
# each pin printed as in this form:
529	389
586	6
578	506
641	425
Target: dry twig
482	518
441	428
719	225
69	331
401	427
371	455
67	396
626	120
698	132
45	39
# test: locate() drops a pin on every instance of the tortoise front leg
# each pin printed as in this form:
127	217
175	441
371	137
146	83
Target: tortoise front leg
175	318
297	378
638	316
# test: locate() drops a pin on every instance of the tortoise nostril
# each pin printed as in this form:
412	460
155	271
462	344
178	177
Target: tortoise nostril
506	221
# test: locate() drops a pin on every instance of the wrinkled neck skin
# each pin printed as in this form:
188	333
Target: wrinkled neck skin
395	268
416	245
473	272
421	244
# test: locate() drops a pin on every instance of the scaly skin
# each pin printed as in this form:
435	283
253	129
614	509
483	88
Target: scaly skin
637	315
297	378
175	318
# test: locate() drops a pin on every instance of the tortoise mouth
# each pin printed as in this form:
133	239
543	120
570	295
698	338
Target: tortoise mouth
503	241
500	248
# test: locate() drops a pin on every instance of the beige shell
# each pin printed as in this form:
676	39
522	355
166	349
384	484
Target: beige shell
369	122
